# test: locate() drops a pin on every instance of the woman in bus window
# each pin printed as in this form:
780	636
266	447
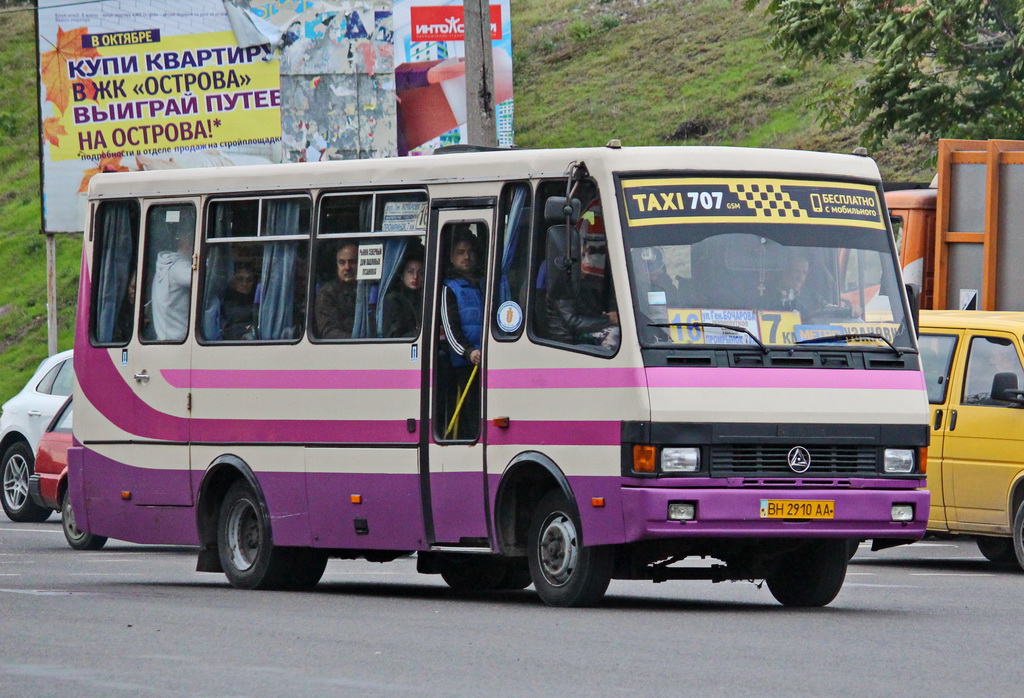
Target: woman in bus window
403	305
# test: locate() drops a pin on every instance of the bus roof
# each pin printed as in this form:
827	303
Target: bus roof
481	166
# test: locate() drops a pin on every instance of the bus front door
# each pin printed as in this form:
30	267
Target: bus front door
455	467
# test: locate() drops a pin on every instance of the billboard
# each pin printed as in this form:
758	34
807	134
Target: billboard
130	85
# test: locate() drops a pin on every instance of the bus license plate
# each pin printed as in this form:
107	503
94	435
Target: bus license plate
797	509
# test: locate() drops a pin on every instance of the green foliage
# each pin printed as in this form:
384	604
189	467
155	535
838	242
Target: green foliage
936	68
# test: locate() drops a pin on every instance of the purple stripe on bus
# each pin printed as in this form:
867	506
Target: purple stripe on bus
532	378
541	433
268	379
784	378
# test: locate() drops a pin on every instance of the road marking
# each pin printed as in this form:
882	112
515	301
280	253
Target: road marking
31	530
951	574
860	574
885	586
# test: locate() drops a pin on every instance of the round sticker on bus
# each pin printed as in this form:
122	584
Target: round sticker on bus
510	316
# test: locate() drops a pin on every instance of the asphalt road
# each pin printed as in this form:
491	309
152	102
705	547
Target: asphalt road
933	619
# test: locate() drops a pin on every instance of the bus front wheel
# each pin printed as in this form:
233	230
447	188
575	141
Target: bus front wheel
564	572
812	575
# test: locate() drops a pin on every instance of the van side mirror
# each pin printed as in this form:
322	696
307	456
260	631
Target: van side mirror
914	298
556	208
1004	387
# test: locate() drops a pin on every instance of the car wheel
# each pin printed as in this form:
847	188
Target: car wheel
811	575
565	572
998	550
17	468
77	538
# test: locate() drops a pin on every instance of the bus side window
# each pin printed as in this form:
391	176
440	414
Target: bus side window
512	278
256	269
575	295
116	229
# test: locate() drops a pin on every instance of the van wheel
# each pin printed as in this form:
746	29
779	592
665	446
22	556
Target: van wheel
998	550
247	554
17	467
1018	535
564	572
76	537
811	575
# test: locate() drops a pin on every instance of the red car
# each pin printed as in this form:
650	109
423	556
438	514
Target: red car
48	486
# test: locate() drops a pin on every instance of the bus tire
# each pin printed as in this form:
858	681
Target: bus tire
76	537
564	572
1018	535
17	468
810	576
998	550
247	553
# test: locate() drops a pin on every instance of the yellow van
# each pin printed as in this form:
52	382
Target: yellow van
975	375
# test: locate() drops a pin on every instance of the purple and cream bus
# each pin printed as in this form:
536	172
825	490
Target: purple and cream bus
550	367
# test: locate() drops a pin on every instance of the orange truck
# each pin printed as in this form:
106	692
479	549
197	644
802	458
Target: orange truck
961	238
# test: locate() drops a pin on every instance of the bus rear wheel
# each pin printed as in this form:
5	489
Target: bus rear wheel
564	572
810	576
247	553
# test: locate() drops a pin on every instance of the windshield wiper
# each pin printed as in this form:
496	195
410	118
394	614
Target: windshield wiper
731	328
852	335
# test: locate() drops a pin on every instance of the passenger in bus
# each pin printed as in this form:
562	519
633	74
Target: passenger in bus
125	315
587	314
462	308
336	300
238	306
172	288
403	305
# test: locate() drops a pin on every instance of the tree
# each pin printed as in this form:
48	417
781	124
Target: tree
937	68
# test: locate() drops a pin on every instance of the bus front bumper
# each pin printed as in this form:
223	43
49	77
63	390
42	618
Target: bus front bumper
774	513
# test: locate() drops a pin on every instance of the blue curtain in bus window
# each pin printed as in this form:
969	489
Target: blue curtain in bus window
512	230
277	293
219	270
394	252
117	263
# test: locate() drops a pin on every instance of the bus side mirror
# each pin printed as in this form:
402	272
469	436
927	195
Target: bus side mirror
556	208
914	299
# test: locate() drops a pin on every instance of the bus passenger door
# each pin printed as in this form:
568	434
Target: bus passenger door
160	358
455	467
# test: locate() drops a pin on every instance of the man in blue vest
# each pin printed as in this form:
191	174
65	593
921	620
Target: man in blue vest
462	317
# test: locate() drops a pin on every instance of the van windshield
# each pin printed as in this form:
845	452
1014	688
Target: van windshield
788	262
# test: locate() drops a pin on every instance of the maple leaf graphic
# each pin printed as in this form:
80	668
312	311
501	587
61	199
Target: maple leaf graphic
52	129
106	165
54	65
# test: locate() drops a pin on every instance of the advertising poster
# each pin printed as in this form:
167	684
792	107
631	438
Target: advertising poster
131	85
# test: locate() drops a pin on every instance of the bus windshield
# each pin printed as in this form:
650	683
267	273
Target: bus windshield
743	261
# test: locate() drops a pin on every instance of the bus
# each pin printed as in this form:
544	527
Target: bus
619	363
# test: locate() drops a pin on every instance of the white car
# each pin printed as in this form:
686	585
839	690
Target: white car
22	422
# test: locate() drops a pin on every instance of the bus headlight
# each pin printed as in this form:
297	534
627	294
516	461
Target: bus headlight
898	460
682	511
680	460
902	512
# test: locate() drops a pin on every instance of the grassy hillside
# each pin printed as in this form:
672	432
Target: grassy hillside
645	71
22	247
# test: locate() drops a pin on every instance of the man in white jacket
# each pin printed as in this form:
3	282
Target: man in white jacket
172	289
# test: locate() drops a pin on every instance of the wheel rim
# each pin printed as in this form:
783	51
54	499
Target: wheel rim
243	535
67	515
16	481
558	549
